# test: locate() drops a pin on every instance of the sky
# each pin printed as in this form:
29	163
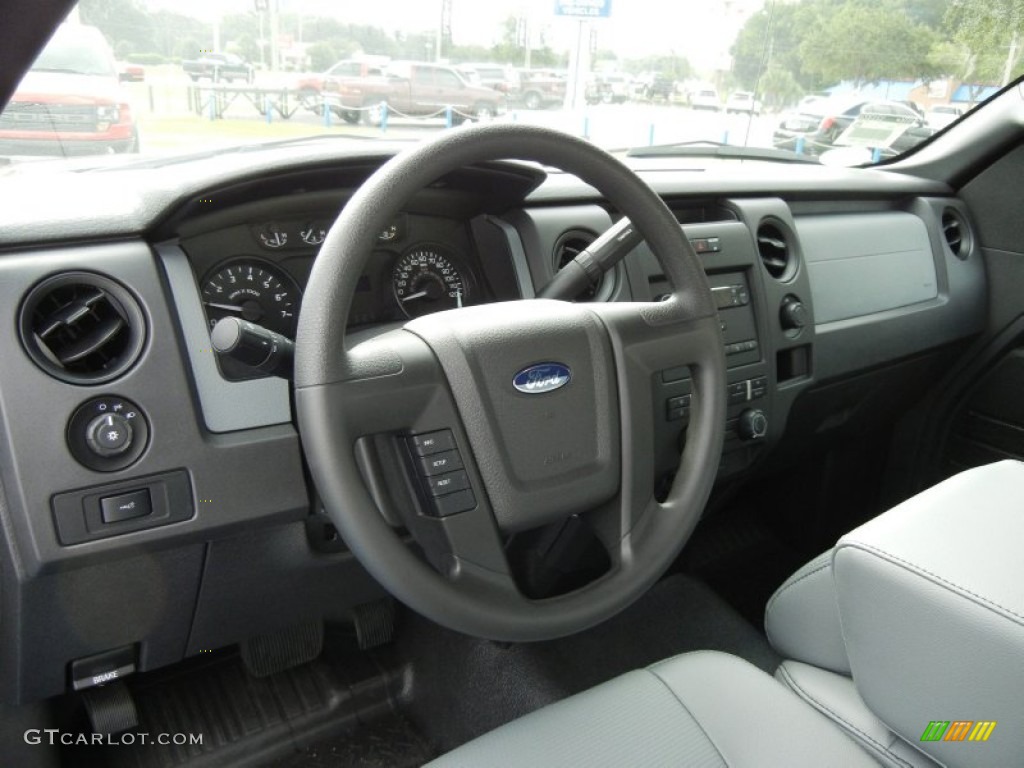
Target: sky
700	30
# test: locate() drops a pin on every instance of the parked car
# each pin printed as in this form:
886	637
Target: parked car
130	73
219	67
822	124
71	102
328	80
540	88
415	89
742	102
941	115
705	98
500	77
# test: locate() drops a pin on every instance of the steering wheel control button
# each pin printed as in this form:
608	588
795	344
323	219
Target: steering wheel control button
439	485
126	506
453	503
432	442
440	463
107	433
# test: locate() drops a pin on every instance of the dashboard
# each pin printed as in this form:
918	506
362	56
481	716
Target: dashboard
830	285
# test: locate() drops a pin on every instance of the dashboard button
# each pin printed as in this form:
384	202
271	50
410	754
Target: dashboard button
440	463
432	442
126	506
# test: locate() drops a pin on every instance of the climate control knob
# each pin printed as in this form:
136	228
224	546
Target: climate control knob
752	424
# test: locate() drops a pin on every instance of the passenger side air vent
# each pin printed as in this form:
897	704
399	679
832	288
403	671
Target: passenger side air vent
82	328
568	246
773	248
956	234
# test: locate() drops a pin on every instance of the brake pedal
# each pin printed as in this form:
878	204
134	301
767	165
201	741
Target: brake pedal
110	707
266	655
375	623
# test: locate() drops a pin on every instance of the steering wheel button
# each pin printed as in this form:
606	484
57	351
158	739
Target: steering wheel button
432	442
440	463
451	482
453	503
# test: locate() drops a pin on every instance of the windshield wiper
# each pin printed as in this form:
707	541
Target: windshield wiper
706	148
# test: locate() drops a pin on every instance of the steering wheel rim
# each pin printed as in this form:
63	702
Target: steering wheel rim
336	385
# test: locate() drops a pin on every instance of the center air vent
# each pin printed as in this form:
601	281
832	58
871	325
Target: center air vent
955	233
567	248
82	328
773	248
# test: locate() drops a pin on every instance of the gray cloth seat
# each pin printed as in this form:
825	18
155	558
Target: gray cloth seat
916	615
698	709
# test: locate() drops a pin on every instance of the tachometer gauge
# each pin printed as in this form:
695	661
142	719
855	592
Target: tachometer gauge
313	233
252	290
426	280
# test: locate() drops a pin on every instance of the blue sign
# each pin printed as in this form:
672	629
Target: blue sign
592	9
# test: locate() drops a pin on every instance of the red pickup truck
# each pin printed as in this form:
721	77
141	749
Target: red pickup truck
414	89
71	101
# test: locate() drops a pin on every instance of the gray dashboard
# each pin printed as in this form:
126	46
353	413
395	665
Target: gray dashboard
865	257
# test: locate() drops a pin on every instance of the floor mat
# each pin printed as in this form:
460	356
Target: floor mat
462	686
248	721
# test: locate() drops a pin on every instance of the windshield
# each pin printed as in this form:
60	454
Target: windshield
800	78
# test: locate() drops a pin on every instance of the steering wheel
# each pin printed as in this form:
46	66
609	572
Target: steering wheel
537	444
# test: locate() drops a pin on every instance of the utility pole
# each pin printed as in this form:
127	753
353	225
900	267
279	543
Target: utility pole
275	51
1011	58
444	30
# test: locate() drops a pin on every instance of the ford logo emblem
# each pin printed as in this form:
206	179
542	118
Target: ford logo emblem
541	378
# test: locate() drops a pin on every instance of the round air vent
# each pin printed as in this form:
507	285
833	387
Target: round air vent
955	233
568	246
773	248
82	328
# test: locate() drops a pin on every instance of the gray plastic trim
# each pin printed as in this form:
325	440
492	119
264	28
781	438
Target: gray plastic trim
519	263
226	405
860	264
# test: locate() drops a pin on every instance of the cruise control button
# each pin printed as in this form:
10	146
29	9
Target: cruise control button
448	483
439	463
432	442
453	503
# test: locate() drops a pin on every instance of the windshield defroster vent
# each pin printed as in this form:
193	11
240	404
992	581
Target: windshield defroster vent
773	248
81	327
955	233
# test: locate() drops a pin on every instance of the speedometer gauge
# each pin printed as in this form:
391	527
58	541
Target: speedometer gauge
425	279
253	290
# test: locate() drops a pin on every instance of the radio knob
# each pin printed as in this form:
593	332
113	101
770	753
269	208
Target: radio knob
752	424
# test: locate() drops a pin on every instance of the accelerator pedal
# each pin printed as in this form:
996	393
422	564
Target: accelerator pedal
265	655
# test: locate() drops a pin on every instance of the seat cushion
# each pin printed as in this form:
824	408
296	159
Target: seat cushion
698	709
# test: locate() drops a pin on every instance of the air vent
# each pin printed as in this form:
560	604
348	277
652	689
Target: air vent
773	247
956	234
567	248
82	328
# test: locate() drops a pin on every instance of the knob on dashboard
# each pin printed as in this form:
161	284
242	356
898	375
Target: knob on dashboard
752	424
792	314
109	435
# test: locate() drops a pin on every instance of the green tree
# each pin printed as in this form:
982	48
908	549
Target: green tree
867	42
127	26
991	36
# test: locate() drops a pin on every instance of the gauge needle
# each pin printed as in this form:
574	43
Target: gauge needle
458	298
226	307
417	295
